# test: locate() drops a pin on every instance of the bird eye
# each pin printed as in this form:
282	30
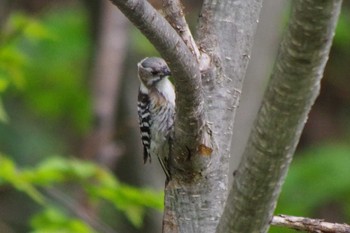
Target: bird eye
154	72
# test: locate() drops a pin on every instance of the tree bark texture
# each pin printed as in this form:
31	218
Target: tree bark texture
184	66
226	35
207	95
196	206
266	41
293	88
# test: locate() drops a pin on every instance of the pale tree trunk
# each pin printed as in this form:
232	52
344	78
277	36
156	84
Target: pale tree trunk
99	145
194	201
267	38
208	78
292	90
107	71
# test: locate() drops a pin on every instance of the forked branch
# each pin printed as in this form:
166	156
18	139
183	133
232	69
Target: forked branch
182	62
292	90
175	16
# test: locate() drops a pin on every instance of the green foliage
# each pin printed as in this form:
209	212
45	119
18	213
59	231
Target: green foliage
57	74
99	184
47	60
342	35
318	175
52	220
3	114
12	58
10	175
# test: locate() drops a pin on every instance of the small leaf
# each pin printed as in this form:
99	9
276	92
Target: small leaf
53	220
10	175
4	80
135	215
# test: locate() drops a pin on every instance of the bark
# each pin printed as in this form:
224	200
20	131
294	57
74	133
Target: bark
226	30
267	38
195	196
196	206
292	90
185	69
309	225
175	16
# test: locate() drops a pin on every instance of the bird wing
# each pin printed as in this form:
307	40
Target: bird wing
143	110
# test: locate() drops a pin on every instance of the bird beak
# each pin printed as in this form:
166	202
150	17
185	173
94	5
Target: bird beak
166	72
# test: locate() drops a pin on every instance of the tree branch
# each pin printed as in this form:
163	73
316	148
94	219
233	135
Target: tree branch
196	204
291	92
190	116
226	32
309	225
175	16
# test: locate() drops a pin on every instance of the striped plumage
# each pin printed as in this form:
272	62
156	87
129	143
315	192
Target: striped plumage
156	109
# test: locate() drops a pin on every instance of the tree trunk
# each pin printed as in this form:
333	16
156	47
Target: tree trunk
292	90
208	80
196	204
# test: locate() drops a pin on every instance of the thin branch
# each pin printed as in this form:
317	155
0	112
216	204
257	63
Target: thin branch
185	69
291	92
309	225
175	16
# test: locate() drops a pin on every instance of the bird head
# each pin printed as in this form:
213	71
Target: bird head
152	70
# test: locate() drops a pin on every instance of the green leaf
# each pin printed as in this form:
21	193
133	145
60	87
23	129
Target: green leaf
50	171
135	214
53	220
7	169
36	31
61	66
317	176
130	200
342	35
31	28
4	80
58	169
10	175
99	183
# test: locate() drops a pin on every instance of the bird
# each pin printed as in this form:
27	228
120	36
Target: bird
156	110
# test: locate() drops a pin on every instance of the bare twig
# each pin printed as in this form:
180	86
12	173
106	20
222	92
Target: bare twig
309	225
175	16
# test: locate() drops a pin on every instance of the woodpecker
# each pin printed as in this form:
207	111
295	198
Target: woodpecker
156	110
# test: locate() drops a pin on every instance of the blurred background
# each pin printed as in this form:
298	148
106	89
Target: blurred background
71	157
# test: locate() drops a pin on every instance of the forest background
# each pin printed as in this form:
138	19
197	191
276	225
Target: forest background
55	60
